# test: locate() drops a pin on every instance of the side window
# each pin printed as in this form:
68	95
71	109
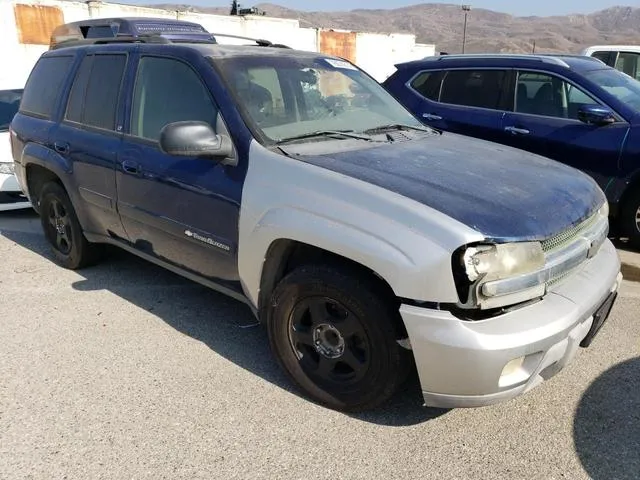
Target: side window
475	88
628	63
95	93
264	94
428	85
549	96
606	57
168	91
44	85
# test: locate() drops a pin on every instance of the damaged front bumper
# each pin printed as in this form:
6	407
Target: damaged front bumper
477	363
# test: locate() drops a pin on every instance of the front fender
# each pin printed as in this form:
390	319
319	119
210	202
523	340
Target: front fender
406	243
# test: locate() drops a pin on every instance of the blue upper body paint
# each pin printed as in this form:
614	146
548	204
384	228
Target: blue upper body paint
504	193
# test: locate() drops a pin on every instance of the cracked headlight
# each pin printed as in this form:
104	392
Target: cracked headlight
492	276
495	262
7	168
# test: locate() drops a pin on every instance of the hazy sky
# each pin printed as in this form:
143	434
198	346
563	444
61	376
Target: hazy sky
516	7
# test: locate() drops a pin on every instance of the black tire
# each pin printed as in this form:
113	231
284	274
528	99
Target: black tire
372	364
63	231
629	219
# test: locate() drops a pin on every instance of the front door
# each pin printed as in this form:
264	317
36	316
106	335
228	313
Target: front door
181	210
545	121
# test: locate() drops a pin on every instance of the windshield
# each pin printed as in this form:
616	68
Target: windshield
618	84
289	96
9	103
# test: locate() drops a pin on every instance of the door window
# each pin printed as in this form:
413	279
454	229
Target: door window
627	62
549	96
95	93
476	88
606	57
168	91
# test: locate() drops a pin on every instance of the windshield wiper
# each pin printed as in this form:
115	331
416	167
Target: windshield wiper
398	126
324	133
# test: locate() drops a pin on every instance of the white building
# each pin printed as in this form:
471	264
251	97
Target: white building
25	30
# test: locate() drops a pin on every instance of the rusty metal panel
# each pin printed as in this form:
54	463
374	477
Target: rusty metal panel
340	44
35	23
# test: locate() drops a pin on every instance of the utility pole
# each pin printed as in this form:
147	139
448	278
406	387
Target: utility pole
466	9
534	47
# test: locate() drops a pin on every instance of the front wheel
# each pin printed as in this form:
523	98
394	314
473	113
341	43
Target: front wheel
630	219
63	231
336	337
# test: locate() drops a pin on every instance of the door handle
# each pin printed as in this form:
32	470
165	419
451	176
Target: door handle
517	131
129	166
61	148
431	116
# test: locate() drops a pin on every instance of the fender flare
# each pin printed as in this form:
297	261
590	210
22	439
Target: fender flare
393	261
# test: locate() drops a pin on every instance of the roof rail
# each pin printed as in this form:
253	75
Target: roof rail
555	59
261	42
101	41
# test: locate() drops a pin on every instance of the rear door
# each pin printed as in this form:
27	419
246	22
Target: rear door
545	121
465	101
181	210
90	136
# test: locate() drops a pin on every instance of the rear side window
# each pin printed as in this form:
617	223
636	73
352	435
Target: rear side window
44	85
95	93
168	91
475	88
428	85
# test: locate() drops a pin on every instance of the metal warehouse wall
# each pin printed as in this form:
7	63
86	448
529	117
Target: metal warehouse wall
25	29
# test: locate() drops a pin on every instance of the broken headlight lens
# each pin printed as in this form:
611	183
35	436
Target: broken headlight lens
495	262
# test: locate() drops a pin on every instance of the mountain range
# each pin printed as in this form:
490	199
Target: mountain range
487	31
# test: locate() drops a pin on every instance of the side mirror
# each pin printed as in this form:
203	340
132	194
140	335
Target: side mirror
596	115
194	139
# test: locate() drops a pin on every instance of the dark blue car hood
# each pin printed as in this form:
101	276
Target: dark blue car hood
504	193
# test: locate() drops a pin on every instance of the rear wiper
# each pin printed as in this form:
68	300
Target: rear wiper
324	133
398	126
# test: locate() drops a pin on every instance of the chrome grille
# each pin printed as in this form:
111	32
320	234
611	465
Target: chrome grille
566	237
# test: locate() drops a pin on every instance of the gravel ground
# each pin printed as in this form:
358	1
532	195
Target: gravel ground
127	371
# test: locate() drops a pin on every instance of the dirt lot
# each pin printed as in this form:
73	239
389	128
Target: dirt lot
127	371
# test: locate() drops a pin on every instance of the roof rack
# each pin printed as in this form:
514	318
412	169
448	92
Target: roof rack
101	28
137	29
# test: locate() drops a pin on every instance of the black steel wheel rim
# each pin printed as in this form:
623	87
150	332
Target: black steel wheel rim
330	341
59	227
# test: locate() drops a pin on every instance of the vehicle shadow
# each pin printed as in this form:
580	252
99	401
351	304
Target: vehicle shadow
606	427
223	324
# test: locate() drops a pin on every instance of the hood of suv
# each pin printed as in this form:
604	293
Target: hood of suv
502	192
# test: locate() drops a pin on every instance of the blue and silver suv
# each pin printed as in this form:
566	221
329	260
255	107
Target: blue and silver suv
294	182
573	109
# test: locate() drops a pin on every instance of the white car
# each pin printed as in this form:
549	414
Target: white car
625	58
11	198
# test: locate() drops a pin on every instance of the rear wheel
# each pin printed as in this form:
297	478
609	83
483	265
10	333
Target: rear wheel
336	337
63	231
630	219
